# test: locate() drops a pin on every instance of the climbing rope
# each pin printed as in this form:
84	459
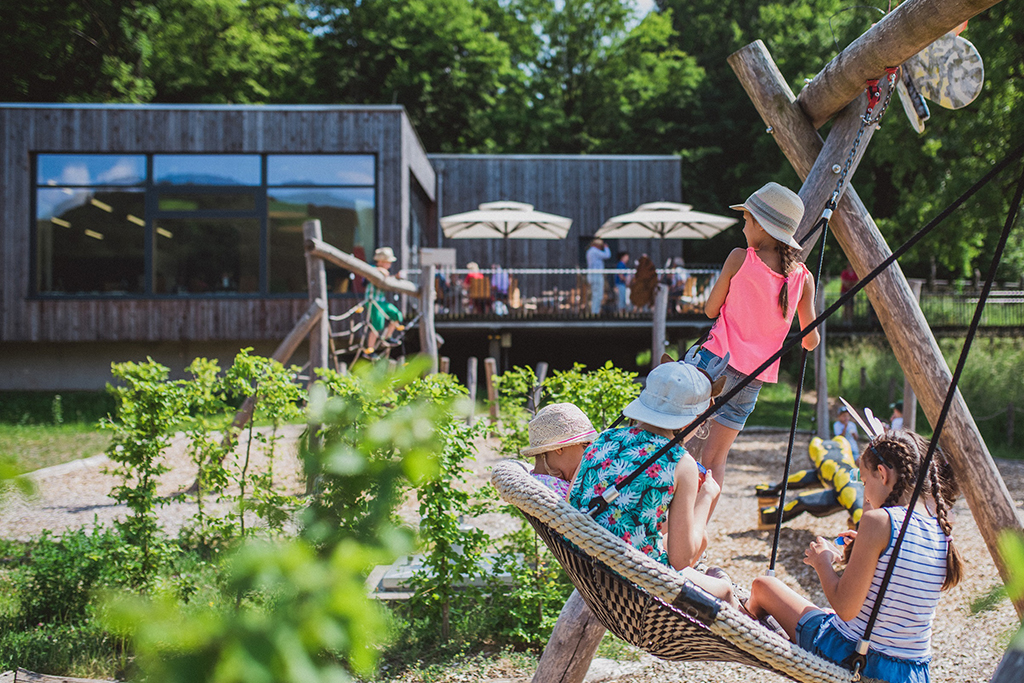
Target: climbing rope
859	658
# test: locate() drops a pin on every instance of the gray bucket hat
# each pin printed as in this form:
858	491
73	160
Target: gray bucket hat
777	209
675	394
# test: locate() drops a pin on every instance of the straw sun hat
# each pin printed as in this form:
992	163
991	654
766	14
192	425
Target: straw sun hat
384	254
556	426
777	209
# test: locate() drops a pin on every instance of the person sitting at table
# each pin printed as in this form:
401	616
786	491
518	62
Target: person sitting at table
477	289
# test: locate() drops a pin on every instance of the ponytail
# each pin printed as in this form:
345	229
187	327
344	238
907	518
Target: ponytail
788	257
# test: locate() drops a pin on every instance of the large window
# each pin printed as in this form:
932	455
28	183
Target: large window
186	224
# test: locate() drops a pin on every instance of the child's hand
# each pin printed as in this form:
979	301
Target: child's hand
710	486
821	554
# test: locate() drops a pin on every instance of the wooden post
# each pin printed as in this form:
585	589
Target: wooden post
863	379
658	326
444	364
573	642
898	312
471	366
897	37
428	336
909	398
316	278
821	372
490	370
534	400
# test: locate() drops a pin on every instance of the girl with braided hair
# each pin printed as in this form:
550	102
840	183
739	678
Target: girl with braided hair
755	298
927	563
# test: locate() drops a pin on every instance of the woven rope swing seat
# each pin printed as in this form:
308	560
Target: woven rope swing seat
647	604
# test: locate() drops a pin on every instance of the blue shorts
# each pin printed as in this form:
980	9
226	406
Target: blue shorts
815	633
733	414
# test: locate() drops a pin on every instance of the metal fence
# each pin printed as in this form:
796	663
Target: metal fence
561	294
942	310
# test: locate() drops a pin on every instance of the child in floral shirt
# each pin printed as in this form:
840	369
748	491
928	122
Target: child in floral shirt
674	489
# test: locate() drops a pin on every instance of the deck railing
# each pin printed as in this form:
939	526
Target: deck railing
560	294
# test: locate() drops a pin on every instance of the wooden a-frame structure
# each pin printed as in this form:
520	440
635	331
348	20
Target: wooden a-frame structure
838	90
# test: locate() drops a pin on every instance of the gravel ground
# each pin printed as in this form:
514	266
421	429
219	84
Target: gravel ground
75	494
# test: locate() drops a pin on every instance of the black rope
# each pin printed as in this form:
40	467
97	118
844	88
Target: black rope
599	504
858	659
823	222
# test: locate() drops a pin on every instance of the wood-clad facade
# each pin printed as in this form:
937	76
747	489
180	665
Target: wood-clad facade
588	189
28	130
54	338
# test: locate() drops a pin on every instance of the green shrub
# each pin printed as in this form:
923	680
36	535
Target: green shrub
83	649
55	577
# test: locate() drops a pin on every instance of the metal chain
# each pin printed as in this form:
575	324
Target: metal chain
865	121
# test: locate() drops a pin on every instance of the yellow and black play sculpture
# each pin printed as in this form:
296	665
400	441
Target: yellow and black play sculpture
833	465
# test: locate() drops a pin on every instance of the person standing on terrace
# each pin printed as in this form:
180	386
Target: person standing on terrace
597	254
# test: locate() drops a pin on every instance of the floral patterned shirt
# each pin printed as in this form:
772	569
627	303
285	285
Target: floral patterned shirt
639	512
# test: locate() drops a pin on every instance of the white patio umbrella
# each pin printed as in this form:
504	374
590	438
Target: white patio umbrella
505	220
664	220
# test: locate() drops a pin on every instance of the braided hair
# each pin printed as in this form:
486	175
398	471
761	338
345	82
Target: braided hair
788	258
903	451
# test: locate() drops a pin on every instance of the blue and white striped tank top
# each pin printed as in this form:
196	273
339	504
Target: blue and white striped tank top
904	625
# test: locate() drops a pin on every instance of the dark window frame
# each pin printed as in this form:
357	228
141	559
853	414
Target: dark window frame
153	214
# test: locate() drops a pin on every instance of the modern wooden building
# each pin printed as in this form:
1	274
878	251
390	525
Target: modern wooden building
172	231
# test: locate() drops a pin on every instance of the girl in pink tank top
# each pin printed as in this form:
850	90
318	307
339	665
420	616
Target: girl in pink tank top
759	292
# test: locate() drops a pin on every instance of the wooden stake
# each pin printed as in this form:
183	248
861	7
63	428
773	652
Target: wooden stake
573	642
898	312
490	370
471	366
658	326
428	336
316	277
444	364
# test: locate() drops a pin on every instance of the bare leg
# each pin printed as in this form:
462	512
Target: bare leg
371	340
713	451
768	595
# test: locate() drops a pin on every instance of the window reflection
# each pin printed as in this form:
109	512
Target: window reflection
90	169
206	169
179	201
326	169
90	241
346	217
201	256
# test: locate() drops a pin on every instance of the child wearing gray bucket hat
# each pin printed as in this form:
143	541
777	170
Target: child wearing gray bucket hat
760	290
664	511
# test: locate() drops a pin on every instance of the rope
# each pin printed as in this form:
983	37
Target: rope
859	659
599	504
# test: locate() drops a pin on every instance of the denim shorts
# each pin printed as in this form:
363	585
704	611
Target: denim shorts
733	414
815	633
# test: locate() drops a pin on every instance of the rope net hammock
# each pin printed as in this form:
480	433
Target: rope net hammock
648	604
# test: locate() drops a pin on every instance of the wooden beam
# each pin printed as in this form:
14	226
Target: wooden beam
658	322
573	642
428	335
900	35
317	247
899	313
316	277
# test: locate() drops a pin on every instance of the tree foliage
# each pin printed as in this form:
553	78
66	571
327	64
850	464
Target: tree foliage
539	76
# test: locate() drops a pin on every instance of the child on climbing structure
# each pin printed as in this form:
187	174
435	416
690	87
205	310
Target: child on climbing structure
927	563
664	511
559	434
384	315
755	298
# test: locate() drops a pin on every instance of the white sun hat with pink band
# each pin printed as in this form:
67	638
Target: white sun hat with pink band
558	425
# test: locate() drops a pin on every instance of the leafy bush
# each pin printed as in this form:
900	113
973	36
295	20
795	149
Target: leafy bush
85	648
56	576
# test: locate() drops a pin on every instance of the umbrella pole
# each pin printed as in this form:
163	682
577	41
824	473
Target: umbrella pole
505	264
